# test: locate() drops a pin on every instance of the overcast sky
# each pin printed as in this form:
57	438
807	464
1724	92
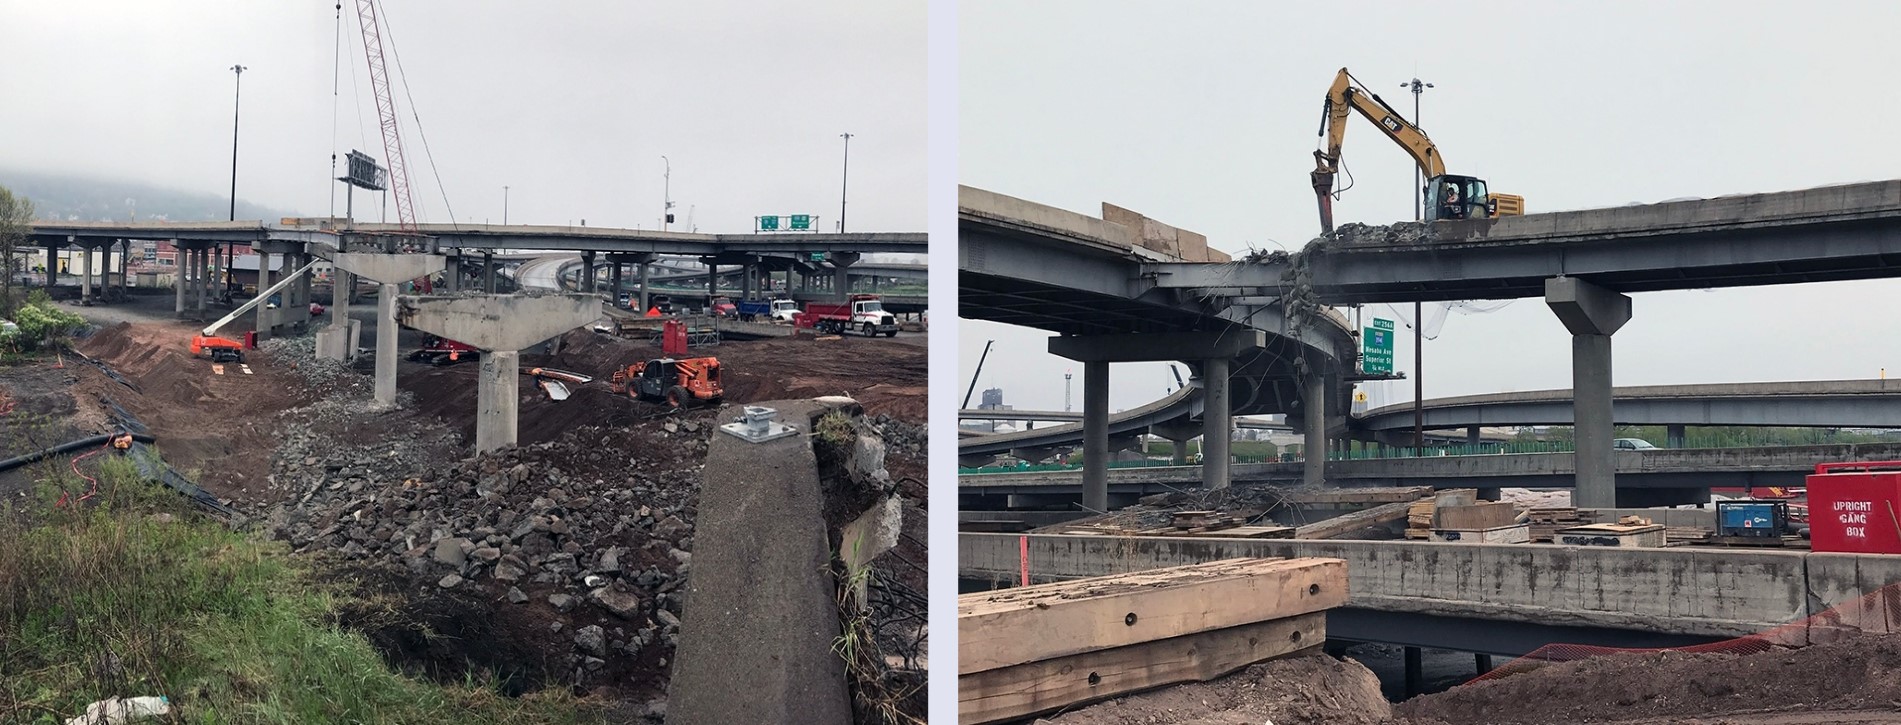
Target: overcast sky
1204	115
570	104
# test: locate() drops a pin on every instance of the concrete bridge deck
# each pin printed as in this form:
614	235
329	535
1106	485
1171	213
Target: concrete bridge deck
1507	599
1816	403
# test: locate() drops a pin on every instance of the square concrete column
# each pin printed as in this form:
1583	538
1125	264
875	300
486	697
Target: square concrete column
1592	314
204	281
85	274
264	317
1096	435
1313	401
712	281
303	289
497	396
1673	436
52	268
745	281
613	278
1472	438
386	345
452	278
488	272
1216	423
643	286
587	272
178	279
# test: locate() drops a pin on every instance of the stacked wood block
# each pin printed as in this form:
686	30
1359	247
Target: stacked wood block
1419	517
1198	524
1034	649
1545	522
1616	535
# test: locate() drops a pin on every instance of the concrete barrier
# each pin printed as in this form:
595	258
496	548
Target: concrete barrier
1704	591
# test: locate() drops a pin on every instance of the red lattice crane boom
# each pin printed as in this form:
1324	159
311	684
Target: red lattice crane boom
386	112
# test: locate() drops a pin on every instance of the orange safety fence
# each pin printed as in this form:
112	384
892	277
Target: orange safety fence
1877	612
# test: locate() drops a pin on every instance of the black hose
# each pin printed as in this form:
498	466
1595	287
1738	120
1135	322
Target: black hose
98	440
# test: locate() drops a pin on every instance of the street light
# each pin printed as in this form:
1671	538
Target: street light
844	177
1419	321
237	94
666	191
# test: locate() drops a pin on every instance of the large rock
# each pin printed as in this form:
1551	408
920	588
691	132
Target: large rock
621	604
449	551
592	640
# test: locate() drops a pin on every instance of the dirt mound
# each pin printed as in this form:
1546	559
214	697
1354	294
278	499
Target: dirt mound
886	378
1311	690
1857	673
214	427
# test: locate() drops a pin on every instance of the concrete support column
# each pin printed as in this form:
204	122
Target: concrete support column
497	395
587	272
712	281
1096	435
645	269
745	281
52	269
178	280
1415	672
303	289
1472	438
341	281
1673	436
204	281
85	274
841	273
1313	400
1179	456
613	279
1217	425
1592	314
1482	663
386	346
265	318
488	272
452	277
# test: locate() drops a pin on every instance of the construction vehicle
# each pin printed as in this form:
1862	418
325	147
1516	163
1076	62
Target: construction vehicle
1448	196
680	383
774	310
438	350
861	313
207	342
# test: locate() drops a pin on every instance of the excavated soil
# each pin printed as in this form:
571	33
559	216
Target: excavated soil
1855	675
215	428
1309	690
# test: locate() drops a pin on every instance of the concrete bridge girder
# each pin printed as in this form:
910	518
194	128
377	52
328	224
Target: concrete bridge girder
501	325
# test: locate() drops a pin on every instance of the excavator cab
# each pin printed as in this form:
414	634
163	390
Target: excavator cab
678	383
1450	196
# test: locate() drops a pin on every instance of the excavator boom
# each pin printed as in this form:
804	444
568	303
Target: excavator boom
1343	99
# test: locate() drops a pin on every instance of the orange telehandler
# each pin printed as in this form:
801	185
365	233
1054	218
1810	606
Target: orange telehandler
678	383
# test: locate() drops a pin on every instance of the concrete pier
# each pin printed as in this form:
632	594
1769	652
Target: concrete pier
1217	425
1313	400
500	325
389	270
1096	435
1592	314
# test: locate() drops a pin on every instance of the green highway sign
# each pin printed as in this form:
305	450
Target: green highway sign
769	223
1382	324
1377	350
801	222
818	256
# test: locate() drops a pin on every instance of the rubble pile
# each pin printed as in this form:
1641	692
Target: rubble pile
596	525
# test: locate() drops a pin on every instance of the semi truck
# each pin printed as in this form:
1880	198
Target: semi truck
863	314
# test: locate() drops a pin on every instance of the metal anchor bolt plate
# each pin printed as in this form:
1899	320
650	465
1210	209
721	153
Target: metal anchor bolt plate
759	424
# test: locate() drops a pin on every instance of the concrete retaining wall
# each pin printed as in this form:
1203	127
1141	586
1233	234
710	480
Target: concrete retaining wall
1720	592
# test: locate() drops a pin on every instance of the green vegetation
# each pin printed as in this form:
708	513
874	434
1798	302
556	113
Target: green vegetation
16	212
131	594
41	326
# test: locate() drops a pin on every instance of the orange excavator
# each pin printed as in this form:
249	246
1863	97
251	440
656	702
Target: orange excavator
679	383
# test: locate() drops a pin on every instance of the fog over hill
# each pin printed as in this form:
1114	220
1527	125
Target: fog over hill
65	197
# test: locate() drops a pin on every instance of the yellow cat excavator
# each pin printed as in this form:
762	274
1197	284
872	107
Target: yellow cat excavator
1448	196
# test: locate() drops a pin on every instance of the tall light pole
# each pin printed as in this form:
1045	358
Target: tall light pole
504	206
236	96
843	178
666	193
1419	321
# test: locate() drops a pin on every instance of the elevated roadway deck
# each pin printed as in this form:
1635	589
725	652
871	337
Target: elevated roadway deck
1820	403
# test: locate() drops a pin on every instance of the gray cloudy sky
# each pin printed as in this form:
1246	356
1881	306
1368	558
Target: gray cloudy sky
1204	115
571	104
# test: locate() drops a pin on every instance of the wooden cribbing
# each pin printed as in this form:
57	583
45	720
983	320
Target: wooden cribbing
1030	624
1349	523
1018	691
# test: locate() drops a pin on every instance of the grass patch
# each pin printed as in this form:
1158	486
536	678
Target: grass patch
132	594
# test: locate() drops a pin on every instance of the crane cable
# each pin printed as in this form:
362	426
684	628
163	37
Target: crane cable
336	81
420	133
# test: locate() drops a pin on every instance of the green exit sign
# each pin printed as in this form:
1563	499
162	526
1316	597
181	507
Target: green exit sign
769	223
1377	353
801	222
818	256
